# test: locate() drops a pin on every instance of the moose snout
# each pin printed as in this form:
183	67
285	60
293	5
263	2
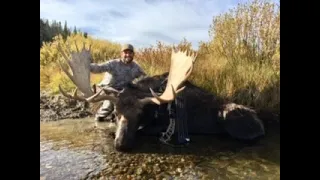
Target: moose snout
121	145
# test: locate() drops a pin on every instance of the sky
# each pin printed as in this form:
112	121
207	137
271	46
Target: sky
139	22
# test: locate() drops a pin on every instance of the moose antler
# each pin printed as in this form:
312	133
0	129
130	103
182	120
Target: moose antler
180	69
80	67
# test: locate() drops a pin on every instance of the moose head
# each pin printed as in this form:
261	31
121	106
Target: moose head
129	102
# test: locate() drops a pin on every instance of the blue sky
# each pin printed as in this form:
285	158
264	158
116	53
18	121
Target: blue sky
140	22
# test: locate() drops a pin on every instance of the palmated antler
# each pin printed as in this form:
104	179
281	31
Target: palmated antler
80	67
180	69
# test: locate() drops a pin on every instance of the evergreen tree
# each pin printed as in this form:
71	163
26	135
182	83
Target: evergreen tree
50	30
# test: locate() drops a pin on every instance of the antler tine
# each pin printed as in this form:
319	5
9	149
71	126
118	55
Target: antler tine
180	69
65	70
74	96
80	67
97	97
90	99
194	55
62	52
79	64
110	90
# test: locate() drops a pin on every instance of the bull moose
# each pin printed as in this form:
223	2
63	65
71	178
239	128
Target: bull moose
136	105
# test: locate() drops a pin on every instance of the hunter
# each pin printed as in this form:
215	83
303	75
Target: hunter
118	72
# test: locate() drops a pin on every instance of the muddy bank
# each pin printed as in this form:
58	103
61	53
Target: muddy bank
56	107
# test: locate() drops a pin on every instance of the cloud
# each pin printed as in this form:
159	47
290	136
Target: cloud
140	22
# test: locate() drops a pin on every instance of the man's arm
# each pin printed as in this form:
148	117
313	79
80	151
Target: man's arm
102	67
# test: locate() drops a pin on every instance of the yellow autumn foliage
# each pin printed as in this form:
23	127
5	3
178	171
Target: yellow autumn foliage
241	61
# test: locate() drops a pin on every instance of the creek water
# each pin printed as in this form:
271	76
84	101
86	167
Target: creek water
75	149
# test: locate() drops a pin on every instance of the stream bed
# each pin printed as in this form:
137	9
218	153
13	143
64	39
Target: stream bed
76	149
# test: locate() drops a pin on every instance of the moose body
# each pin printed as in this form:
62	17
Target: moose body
205	112
137	103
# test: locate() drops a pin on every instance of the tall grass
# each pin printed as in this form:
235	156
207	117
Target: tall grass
240	63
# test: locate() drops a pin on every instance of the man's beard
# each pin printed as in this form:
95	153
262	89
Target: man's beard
127	60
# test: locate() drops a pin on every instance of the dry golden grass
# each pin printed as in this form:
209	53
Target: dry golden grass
231	65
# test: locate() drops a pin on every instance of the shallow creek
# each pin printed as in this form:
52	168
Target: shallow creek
74	149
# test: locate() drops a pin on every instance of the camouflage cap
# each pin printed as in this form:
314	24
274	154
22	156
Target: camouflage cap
127	47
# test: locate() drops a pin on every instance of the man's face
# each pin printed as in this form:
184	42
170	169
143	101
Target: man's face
127	56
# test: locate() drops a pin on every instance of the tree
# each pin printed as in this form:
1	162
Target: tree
50	30
250	31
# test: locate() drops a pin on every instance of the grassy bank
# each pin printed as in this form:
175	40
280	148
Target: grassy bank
240	63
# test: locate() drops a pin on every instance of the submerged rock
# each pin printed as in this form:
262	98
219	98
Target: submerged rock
68	164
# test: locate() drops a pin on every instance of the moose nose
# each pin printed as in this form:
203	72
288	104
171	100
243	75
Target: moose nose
120	146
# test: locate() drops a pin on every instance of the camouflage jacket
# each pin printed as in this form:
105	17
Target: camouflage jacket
117	73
